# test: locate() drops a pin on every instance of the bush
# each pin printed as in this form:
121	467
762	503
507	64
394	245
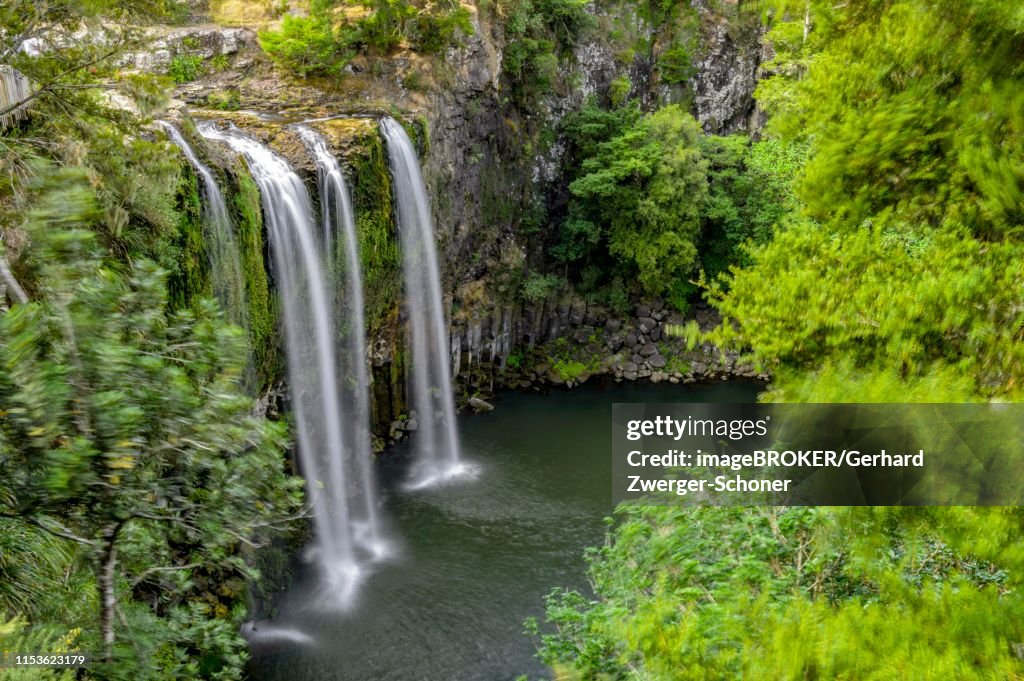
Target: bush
709	593
537	33
570	369
228	100
185	68
637	200
306	45
539	287
322	44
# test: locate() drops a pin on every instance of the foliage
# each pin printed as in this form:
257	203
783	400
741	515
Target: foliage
91	36
910	269
892	274
227	100
891	104
569	369
707	592
306	45
638	195
323	42
870	302
34	573
125	431
184	68
539	287
17	637
655	201
570	363
247	213
378	243
750	191
72	122
538	33
514	359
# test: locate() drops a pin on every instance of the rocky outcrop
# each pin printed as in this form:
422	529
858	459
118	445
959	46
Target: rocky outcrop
727	70
568	343
203	42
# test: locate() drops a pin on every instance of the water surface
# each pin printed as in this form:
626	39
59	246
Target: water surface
474	560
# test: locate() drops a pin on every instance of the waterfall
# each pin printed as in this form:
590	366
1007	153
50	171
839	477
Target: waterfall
337	217
14	87
306	305
219	236
437	443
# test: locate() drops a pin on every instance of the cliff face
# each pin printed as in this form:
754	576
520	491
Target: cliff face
490	162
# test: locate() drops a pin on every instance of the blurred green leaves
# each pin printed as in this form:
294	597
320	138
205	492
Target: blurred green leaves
124	422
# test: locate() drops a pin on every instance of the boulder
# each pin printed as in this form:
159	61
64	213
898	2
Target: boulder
657	361
480	405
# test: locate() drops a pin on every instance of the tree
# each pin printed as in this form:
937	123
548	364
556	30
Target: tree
325	41
750	192
895	276
124	427
767	594
640	191
78	105
890	104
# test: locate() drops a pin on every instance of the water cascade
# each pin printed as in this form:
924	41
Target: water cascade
437	443
337	219
306	304
219	236
14	88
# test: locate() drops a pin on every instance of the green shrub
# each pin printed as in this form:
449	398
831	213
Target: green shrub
324	42
539	287
228	100
514	359
570	369
434	33
219	62
723	593
306	45
636	202
185	68
675	65
618	91
537	33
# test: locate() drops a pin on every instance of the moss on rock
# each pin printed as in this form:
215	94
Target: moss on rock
191	280
370	177
248	217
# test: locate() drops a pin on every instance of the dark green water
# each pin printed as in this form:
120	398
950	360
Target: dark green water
474	560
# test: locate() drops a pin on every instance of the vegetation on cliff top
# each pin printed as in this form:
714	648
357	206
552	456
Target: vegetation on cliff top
334	31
